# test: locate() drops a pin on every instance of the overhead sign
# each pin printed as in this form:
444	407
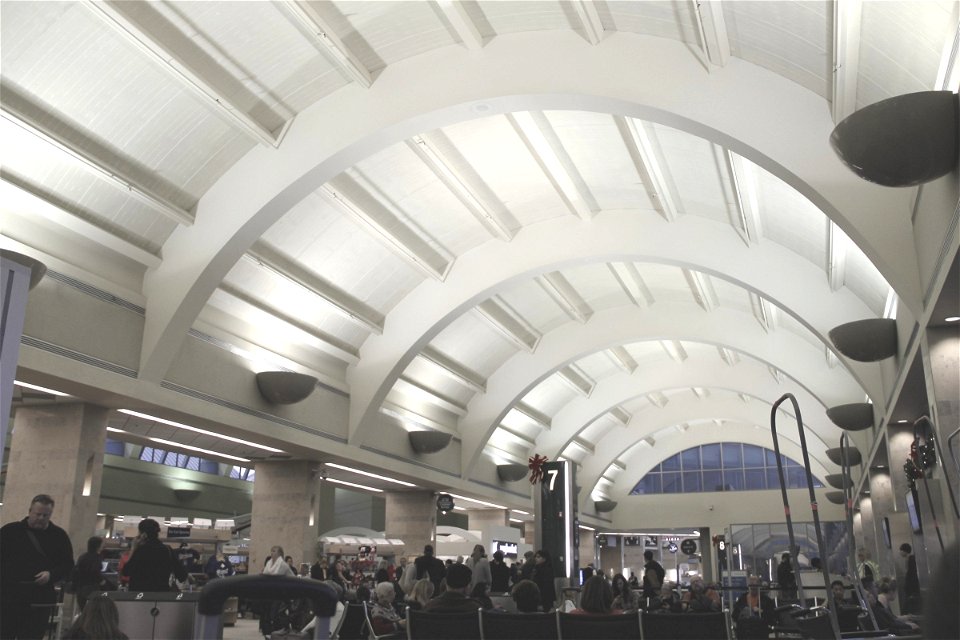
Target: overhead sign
688	546
445	502
672	547
178	532
631	541
509	549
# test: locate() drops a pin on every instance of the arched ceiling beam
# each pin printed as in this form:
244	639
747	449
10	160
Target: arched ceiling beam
755	413
742	109
641	460
673	320
618	389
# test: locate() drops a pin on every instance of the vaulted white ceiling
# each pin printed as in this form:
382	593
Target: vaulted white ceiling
556	227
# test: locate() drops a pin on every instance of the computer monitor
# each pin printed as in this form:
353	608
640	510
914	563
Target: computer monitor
913	511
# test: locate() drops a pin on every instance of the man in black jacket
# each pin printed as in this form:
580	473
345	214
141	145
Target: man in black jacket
151	562
427	566
35	554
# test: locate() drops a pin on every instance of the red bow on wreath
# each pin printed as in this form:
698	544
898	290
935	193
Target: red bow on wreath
535	464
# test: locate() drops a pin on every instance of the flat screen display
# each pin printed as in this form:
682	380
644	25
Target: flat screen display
913	512
885	525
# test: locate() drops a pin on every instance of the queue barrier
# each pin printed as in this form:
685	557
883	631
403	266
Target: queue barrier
161	615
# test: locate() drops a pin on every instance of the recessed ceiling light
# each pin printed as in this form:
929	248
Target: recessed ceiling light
355	485
370	475
36	387
952	319
179	425
197	449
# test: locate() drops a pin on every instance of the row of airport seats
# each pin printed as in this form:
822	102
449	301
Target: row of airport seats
491	625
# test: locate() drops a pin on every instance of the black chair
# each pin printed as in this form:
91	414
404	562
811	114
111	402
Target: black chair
354	625
425	625
516	626
686	626
572	626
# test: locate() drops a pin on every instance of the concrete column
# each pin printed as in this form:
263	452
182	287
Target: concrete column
412	517
482	519
57	449
881	495
286	507
942	372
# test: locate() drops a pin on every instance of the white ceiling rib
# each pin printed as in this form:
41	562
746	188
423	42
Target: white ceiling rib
507	322
458	17
712	30
349	307
589	19
742	174
327	40
631	281
101	168
647	155
123	17
846	57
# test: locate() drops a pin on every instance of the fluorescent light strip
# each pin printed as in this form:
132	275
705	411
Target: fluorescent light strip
370	475
115	430
515	520
197	449
486	504
583	526
521	512
456	508
197	430
354	484
36	387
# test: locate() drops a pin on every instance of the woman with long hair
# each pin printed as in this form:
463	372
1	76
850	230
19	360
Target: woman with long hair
420	593
87	577
596	598
623	596
480	566
543	576
99	620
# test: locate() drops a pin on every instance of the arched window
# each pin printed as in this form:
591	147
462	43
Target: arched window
722	466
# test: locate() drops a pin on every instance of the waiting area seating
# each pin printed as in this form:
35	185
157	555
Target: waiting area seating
488	625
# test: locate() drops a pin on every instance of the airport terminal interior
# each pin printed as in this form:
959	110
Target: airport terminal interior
311	264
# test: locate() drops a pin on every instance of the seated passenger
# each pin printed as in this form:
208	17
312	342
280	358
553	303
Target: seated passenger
839	592
383	616
99	621
420	594
337	614
454	599
527	596
596	598
754	604
669	599
481	593
623	596
886	620
700	599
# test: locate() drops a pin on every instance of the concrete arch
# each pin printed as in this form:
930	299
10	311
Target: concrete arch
612	236
750	377
639	464
741	107
677	321
611	447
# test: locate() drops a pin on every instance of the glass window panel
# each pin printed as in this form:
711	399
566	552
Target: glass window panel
710	453
235	472
771	458
651	484
733	479
671	482
656	469
755	479
752	456
691	459
732	455
796	478
817	484
170	459
712	481
146	454
193	463
672	463
251	474
209	466
773	480
113	447
691	482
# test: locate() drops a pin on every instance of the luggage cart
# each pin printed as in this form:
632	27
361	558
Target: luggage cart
208	624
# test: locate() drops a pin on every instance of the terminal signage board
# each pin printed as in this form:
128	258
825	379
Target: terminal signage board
509	549
178	532
558	518
688	546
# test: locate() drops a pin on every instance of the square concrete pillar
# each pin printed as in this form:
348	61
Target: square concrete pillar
482	519
57	449
286	508
412	517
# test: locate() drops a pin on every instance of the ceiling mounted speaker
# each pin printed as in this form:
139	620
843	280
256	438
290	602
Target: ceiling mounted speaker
186	495
37	268
901	141
602	506
511	472
285	387
852	417
429	441
836	497
853	456
866	340
838	480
